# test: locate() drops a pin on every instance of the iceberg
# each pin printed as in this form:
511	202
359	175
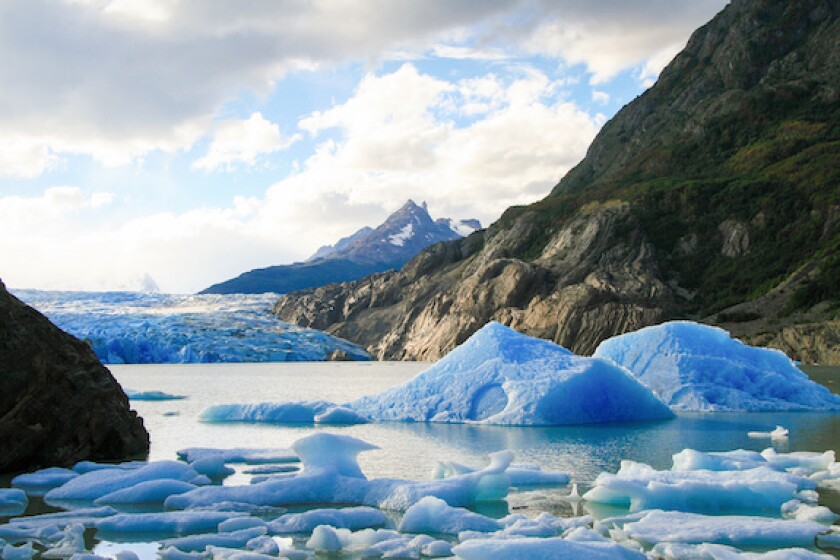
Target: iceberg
331	475
542	549
151	328
694	367
42	481
353	518
499	376
676	551
135	395
13	501
246	455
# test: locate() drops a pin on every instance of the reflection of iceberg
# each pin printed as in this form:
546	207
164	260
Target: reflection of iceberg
697	367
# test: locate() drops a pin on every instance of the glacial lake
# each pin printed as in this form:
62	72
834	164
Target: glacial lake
411	450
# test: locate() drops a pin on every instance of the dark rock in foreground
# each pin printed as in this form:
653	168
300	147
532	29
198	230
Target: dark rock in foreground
58	403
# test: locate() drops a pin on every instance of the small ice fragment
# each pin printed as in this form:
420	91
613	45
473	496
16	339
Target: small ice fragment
151	396
778	433
433	515
13	501
22	552
574	495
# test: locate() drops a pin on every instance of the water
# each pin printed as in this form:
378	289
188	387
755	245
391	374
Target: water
411	450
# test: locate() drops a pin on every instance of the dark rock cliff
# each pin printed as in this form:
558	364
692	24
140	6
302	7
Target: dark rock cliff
58	403
715	196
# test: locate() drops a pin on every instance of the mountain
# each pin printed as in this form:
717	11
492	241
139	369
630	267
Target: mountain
400	237
713	196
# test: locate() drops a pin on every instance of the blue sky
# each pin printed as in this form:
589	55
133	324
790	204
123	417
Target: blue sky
193	140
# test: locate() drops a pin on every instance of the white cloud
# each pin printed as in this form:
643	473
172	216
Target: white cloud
243	141
600	97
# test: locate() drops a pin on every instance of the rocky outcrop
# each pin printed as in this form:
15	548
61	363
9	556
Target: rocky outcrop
58	403
809	343
596	277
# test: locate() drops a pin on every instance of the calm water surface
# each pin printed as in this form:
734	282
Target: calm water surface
411	450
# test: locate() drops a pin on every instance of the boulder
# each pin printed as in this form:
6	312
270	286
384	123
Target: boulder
58	403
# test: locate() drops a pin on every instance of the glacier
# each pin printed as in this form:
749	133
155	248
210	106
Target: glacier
152	328
694	367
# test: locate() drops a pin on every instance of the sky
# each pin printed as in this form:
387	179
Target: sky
188	141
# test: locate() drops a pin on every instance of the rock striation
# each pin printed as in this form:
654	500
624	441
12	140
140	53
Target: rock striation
712	196
58	403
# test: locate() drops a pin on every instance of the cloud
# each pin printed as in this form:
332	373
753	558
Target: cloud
243	141
118	79
600	97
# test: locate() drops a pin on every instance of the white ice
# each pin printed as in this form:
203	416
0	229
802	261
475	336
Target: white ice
247	455
353	518
779	432
641	487
696	367
543	549
303	412
98	483
232	539
331	475
676	551
655	526
148	492
519	474
499	376
433	515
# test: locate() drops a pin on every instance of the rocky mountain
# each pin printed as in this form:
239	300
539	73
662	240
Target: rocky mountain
400	237
715	195
58	403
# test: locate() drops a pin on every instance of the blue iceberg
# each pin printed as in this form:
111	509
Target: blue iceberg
499	376
694	367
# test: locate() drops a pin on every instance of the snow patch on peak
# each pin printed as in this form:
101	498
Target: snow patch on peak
404	234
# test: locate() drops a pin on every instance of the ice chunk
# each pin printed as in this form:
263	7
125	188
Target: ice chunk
233	539
739	459
151	395
40	482
239	523
303	412
331	475
657	526
212	466
84	467
778	432
641	487
13	501
810	461
72	542
95	484
674	551
170	523
542	549
795	509
433	515
517	525
249	456
519	474
22	552
698	367
499	376
353	518
339	415
149	492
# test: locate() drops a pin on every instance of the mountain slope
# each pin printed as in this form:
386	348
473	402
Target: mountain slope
714	195
404	233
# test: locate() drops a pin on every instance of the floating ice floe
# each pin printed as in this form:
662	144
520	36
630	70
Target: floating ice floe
778	432
677	551
246	455
162	524
147	492
42	481
640	487
433	515
352	518
376	543
151	395
694	367
541	549
303	412
98	483
13	501
331	475
656	526
22	552
519	474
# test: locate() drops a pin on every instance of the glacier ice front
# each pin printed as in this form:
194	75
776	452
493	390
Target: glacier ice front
145	328
499	376
694	367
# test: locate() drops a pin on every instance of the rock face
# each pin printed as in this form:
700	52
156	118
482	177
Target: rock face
58	404
714	189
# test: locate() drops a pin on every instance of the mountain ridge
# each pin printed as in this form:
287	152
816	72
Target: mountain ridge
390	245
713	196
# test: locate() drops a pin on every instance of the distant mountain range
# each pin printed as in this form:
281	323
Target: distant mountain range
397	240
